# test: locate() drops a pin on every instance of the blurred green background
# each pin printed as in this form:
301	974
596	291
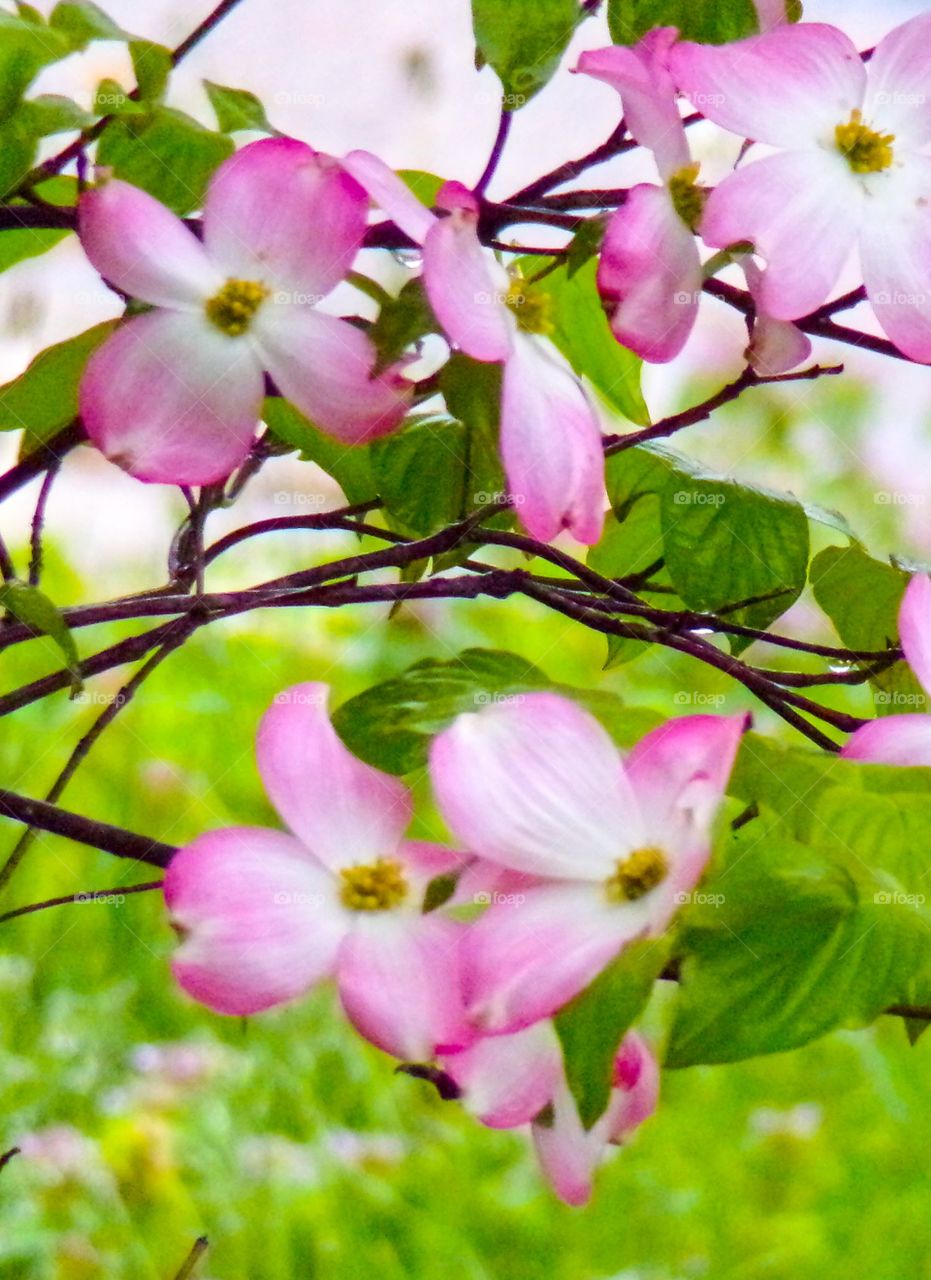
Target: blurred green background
146	1121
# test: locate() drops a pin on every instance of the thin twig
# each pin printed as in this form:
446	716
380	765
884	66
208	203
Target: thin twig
95	895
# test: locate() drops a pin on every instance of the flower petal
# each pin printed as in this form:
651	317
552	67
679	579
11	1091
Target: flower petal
915	627
507	1080
898	77
636	1088
399	981
649	275
550	446
172	400
257	918
775	345
143	248
345	812
279	212
895	253
802	211
391	193
526	958
679	773
325	365
648	95
904	740
424	862
568	1155
535	783
467	288
790	87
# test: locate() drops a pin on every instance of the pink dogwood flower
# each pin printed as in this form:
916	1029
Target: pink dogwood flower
535	784
550	434
853	168
264	915
175	395
511	1080
650	271
903	739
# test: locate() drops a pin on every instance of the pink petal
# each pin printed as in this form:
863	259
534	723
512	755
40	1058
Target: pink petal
258	922
391	193
648	95
776	345
802	211
399	981
172	400
679	773
424	861
344	811
466	288
523	960
898	76
903	740
915	627
143	248
636	1088
895	253
790	87
279	212
324	366
551	445
568	1155
535	783
649	275
507	1080
771	13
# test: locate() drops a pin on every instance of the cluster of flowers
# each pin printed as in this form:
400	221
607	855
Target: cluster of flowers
575	852
175	395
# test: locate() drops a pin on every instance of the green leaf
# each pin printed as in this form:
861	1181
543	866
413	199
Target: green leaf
45	397
111	99
472	391
348	464
585	244
582	333
237	109
166	153
523	41
391	724
425	186
428	475
81	21
791	941
152	64
29	242
708	21
592	1026
32	607
50	113
401	322
861	596
18	148
630	545
25	48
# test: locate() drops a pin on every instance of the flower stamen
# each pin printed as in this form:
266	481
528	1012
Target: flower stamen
688	199
233	308
864	149
531	308
377	887
635	875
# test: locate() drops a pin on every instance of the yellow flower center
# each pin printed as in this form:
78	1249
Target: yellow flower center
529	306
233	308
377	887
635	875
865	150
688	199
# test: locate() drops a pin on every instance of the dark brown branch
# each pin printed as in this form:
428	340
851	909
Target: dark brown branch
99	835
